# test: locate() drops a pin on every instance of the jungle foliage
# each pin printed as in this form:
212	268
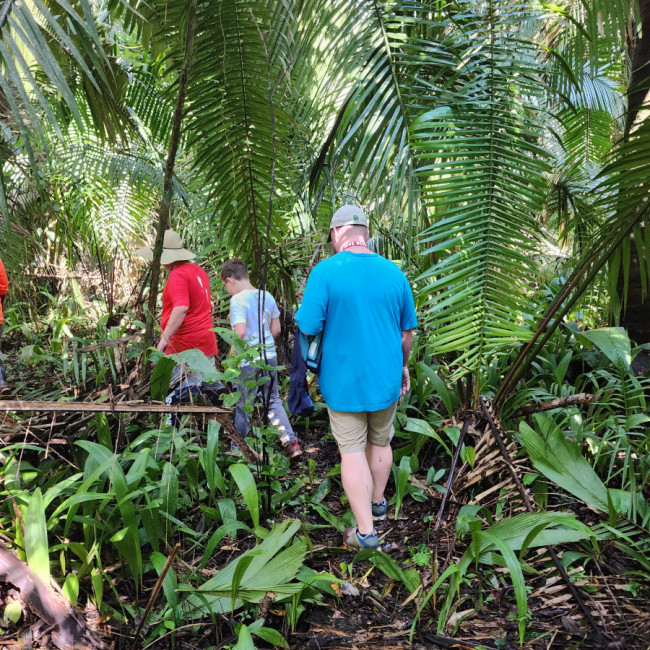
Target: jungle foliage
500	149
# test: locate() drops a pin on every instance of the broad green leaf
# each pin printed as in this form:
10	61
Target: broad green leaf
97	579
440	387
227	510
196	361
246	484
403	473
329	516
514	530
423	427
288	494
271	569
150	518
106	463
12	612
450	571
36	546
229	529
561	461
244	639
322	490
386	564
517	577
613	342
103	431
160	378
269	635
532	529
71	588
213	474
169	487
240	572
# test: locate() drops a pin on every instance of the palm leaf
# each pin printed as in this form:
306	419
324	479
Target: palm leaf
269	567
482	174
45	43
622	197
393	51
234	126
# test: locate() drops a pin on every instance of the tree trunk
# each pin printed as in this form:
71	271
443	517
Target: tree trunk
163	213
639	52
636	316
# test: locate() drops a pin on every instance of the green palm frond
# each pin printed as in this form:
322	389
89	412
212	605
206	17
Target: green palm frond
569	207
623	197
232	125
53	47
582	37
91	196
147	102
22	213
587	135
483	177
395	51
108	197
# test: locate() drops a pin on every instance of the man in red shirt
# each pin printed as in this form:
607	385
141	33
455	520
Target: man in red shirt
186	321
4	289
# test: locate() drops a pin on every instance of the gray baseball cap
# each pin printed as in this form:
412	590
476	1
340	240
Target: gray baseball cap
348	215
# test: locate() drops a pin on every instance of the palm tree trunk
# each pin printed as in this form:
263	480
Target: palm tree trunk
636	316
163	213
639	52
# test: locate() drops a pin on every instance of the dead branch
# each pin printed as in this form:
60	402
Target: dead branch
154	593
109	344
531	508
571	400
109	407
450	480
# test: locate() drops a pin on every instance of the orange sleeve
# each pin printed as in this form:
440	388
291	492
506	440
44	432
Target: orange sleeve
4	282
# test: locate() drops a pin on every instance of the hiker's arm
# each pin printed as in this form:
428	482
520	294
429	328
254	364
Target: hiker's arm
175	321
240	331
276	327
407	342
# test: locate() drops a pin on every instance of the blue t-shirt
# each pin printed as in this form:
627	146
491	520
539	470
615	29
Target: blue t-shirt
362	302
245	308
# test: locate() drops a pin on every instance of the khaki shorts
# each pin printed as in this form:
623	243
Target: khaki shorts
353	430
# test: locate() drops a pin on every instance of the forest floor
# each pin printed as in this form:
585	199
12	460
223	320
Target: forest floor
371	609
375	611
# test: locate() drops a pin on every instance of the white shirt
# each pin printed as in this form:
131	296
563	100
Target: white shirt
245	308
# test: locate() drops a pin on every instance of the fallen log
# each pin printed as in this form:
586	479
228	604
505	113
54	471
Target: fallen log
70	630
108	407
223	415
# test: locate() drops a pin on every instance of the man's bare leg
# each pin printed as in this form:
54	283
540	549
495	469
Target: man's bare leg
357	483
380	461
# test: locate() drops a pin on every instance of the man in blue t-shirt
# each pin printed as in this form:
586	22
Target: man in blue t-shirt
363	304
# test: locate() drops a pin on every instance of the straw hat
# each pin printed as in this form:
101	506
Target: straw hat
173	250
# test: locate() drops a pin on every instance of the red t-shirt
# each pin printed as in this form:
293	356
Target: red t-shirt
188	286
4	287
